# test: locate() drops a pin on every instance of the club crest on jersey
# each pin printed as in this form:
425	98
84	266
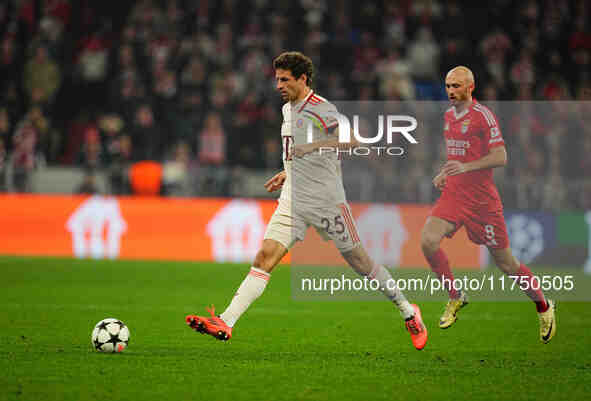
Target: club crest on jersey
465	125
300	123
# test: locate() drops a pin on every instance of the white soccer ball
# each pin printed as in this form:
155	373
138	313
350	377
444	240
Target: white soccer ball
110	335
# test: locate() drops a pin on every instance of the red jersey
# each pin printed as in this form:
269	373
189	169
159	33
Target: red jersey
469	136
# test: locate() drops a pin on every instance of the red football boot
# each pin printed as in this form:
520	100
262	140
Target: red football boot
417	329
214	326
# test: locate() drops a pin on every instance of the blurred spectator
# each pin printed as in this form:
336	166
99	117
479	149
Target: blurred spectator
5	126
49	140
9	58
93	58
495	48
110	126
120	153
166	99
523	71
211	155
147	136
42	77
58	10
423	56
426	11
212	141
366	55
91	154
175	174
23	158
194	74
395	80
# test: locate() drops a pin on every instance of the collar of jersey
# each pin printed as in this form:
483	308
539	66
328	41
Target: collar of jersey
463	113
306	99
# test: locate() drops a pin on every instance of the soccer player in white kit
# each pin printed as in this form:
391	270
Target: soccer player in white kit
312	195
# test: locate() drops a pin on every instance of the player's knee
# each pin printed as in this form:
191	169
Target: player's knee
358	260
267	257
262	260
430	241
508	266
504	267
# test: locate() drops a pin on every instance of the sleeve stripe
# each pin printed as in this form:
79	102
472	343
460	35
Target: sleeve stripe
484	114
479	109
491	116
487	115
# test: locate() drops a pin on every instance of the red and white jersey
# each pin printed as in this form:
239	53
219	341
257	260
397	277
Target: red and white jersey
469	136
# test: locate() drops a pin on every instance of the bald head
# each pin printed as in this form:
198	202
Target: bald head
462	73
459	84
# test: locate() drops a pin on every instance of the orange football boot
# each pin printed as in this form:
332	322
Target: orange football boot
214	326
417	329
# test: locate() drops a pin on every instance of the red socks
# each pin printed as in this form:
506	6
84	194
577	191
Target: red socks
440	266
537	296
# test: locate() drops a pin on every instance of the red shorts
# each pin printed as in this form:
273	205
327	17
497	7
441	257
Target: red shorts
485	225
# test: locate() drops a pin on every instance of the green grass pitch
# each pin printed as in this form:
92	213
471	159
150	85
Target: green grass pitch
282	349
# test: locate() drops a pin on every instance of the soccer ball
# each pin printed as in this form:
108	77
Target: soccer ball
110	335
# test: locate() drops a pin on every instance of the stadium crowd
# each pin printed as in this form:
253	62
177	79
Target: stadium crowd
189	83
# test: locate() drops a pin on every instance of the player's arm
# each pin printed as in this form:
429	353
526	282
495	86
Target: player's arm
331	143
275	182
497	157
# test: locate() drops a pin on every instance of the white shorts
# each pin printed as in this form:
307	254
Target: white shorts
332	223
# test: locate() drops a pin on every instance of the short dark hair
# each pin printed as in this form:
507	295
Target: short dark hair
297	63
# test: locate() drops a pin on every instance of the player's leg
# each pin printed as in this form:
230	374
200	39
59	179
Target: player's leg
362	263
282	232
254	284
250	289
509	264
346	238
433	232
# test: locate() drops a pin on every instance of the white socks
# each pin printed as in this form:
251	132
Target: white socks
251	288
390	289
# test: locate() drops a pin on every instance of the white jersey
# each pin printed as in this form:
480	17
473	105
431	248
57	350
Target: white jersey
315	179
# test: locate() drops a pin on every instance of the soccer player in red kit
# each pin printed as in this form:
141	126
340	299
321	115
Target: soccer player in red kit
470	198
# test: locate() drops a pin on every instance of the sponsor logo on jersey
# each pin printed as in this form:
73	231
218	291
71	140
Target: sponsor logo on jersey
465	125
